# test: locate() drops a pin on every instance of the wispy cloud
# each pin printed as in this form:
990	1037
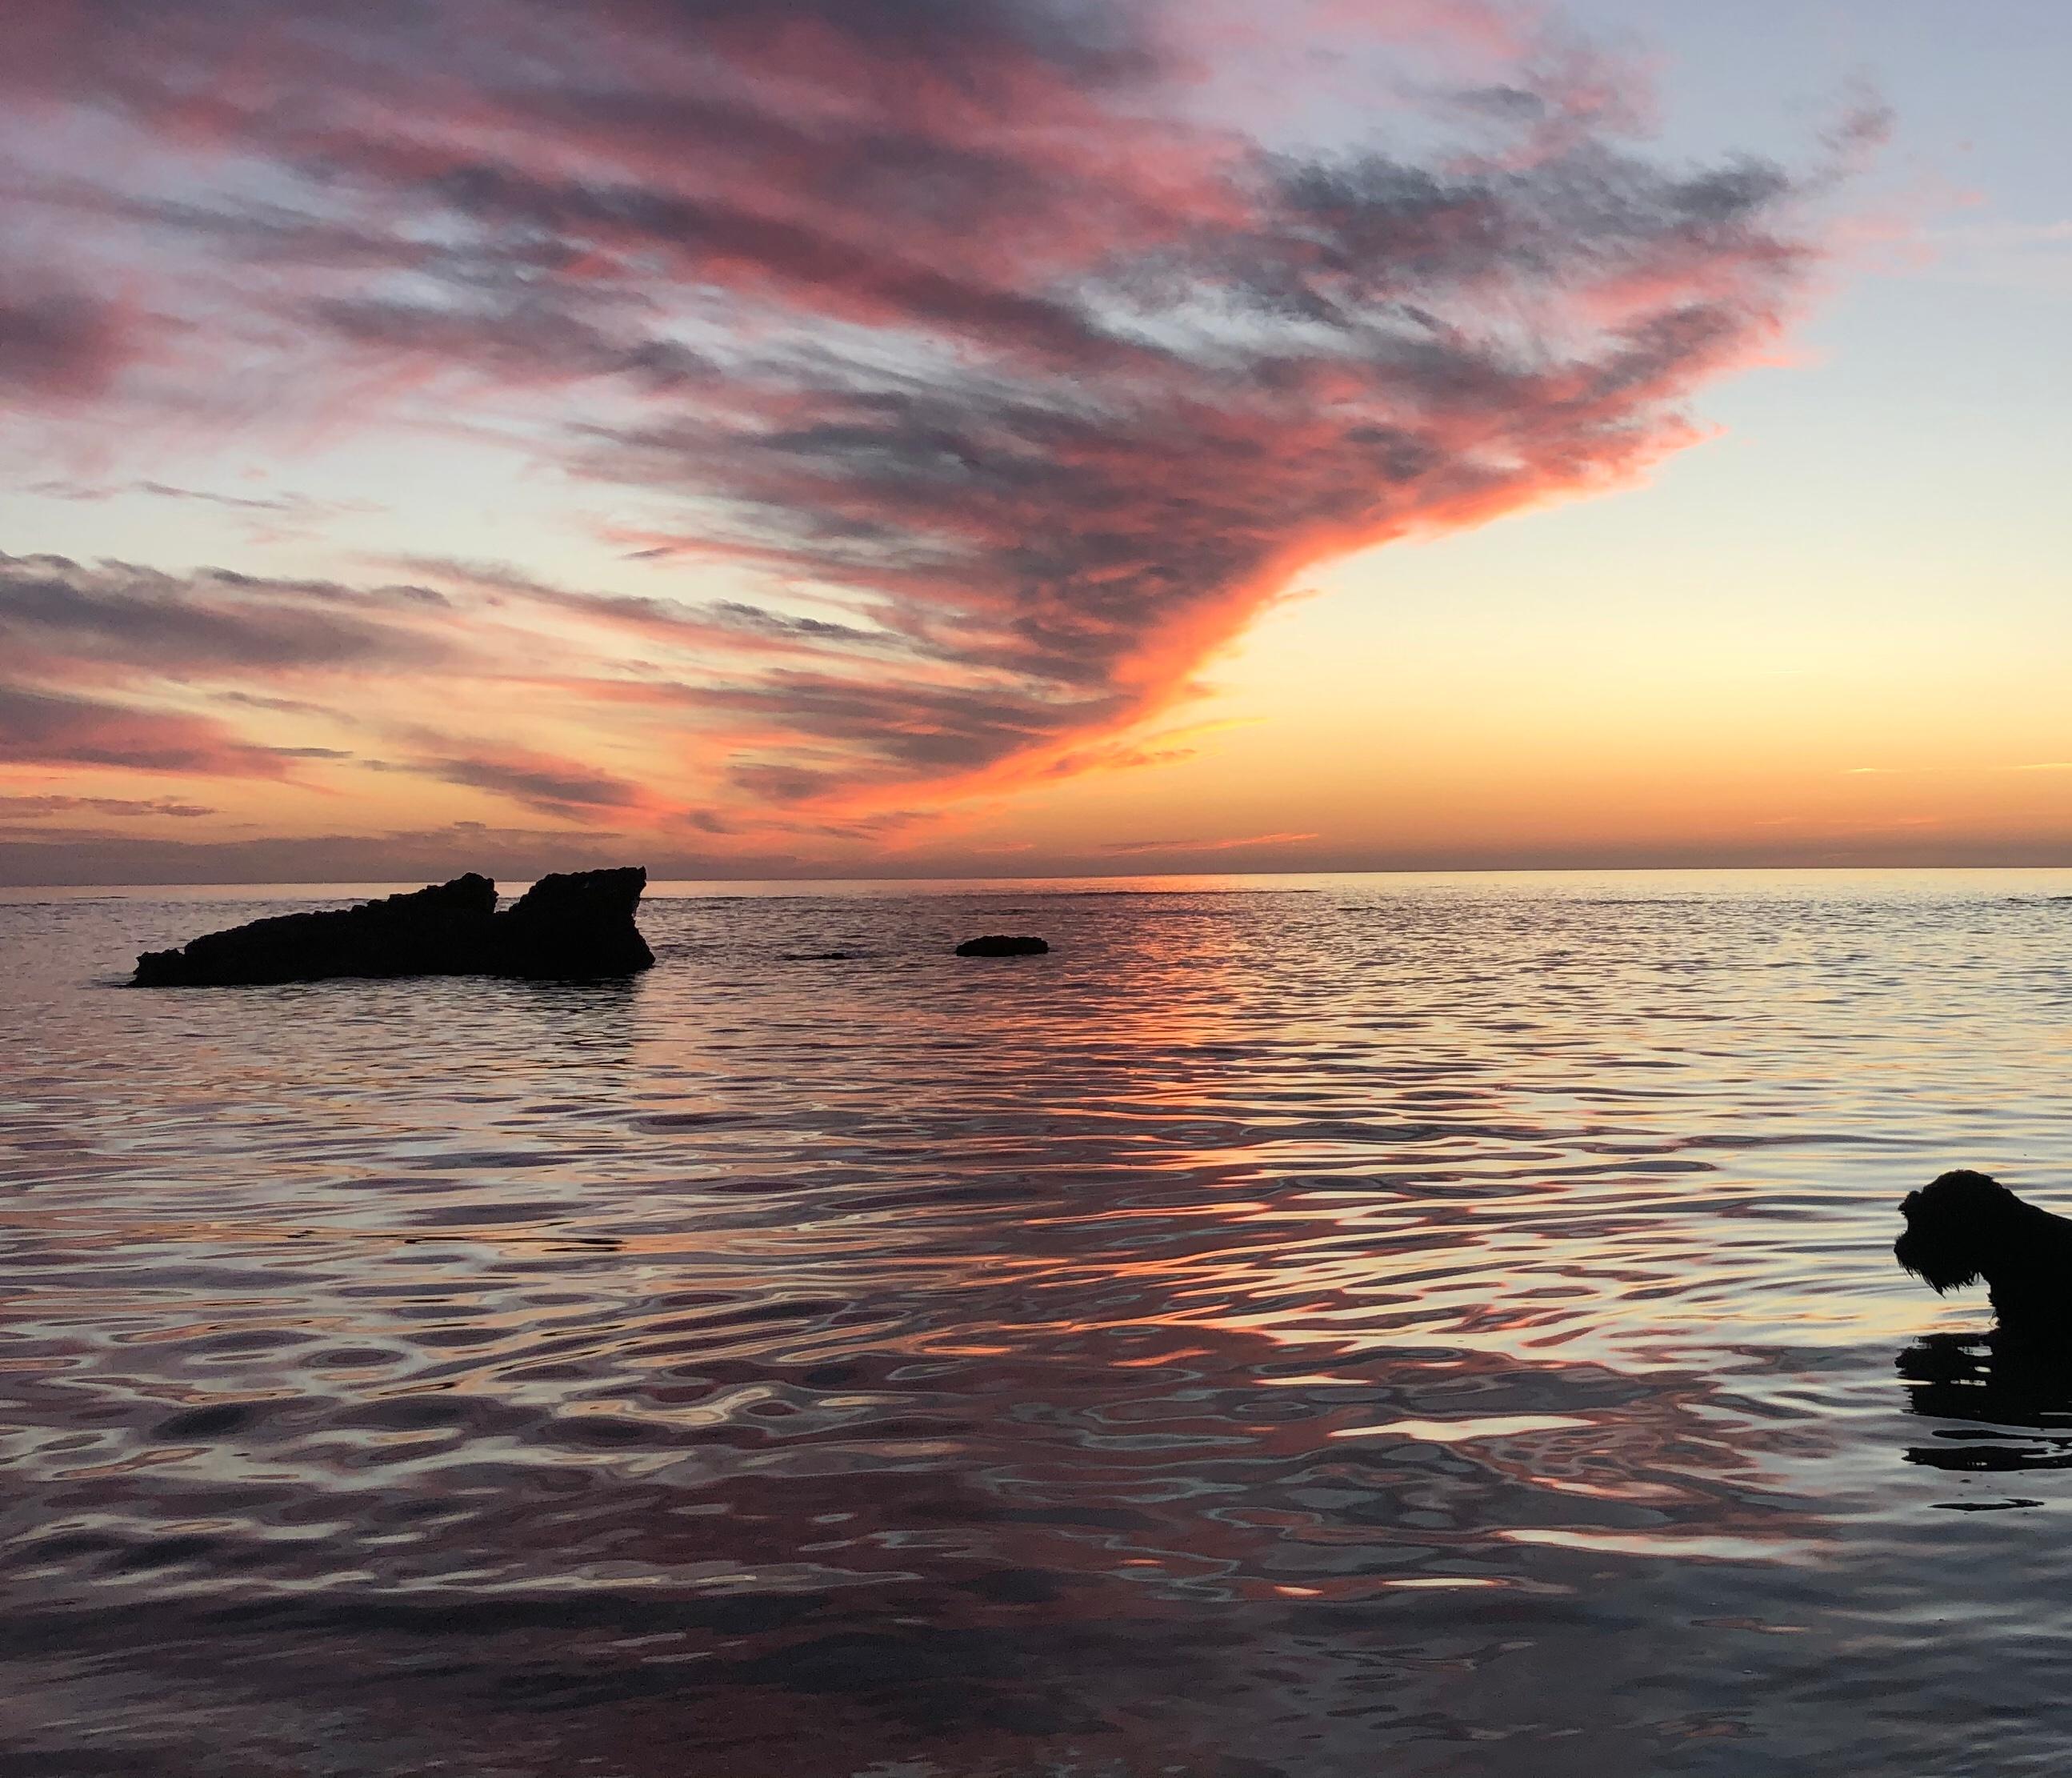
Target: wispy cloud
55	343
96	620
551	787
32	808
957	318
39	728
1207	846
266	518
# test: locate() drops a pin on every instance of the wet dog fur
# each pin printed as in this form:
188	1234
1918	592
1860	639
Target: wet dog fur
1964	1227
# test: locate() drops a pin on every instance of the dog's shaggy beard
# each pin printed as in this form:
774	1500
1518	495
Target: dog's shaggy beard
1936	1267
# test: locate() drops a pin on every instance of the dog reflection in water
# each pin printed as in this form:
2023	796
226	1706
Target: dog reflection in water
2012	1396
1965	1228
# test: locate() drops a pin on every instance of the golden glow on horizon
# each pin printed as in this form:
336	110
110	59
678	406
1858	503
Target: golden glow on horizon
1419	708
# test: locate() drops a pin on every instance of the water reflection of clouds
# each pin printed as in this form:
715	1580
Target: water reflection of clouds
1261	1338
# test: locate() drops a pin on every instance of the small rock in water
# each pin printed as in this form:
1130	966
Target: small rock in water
998	946
579	924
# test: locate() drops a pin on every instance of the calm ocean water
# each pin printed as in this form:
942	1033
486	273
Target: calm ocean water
1303	1326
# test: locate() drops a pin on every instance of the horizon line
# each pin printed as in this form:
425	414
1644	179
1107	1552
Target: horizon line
1114	876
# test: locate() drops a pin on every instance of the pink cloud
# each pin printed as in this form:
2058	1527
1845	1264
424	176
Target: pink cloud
956	312
41	728
56	343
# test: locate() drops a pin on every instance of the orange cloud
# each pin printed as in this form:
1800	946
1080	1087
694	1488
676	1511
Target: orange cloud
958	319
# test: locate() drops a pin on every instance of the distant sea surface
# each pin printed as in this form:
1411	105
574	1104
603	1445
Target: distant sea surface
1302	1327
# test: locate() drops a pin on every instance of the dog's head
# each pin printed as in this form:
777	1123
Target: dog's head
1955	1227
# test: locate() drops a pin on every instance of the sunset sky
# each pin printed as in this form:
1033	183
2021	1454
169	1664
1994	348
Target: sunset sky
764	437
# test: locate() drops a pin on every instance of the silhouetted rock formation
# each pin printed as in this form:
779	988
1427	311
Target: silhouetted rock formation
999	946
577	924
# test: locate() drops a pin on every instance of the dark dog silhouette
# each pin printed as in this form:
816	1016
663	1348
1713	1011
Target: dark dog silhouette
1963	1227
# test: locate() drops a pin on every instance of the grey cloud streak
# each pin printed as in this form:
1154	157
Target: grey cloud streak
47	728
72	616
549	787
55	344
34	807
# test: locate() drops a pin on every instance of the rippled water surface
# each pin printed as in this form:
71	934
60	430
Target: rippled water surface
1301	1326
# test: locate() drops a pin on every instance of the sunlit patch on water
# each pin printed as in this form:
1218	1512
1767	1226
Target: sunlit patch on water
1462	1431
1357	1325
